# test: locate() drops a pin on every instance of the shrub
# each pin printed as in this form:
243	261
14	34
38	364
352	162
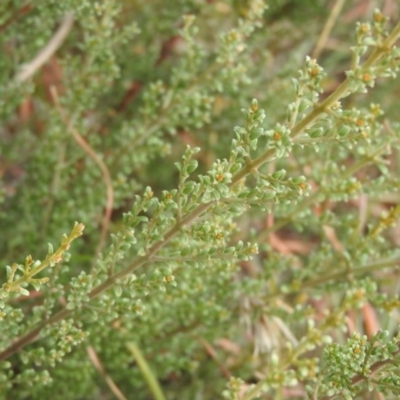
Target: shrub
221	251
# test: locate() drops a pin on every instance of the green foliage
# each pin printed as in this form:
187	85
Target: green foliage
226	247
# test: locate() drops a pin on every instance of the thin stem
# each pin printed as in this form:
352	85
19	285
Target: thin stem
94	358
45	54
313	198
328	28
148	374
53	258
54	188
100	163
339	276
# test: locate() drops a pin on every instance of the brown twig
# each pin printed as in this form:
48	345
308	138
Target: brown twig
103	167
213	354
44	55
100	369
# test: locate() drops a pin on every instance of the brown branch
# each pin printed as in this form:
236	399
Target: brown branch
213	354
103	167
100	369
44	55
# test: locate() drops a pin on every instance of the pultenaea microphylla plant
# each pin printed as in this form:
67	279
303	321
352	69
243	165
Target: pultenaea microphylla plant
218	253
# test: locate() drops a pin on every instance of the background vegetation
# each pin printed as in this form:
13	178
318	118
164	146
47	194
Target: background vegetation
199	199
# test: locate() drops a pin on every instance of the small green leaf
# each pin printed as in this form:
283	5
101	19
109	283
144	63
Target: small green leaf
192	166
178	166
50	249
278	175
141	252
23	291
118	290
